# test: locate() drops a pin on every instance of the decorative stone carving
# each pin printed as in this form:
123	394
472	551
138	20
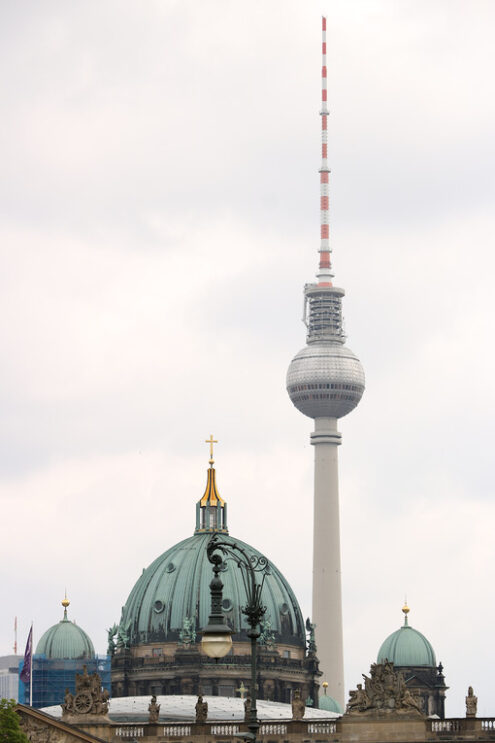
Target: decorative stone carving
123	636
89	698
187	635
201	710
310	629
154	710
39	732
111	633
298	706
471	703
267	635
247	708
384	692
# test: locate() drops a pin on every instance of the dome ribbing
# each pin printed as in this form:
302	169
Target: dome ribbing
176	586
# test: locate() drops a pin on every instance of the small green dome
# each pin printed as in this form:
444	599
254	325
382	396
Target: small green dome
66	641
407	647
329	704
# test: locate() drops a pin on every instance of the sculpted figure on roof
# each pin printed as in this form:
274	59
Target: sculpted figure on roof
154	710
89	698
471	703
298	706
201	710
384	692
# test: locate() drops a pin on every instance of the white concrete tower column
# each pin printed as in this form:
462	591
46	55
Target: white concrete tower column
327	584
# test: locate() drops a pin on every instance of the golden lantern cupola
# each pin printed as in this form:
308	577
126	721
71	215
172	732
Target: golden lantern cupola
211	509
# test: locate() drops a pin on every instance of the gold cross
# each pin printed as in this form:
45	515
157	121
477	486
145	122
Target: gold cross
211	441
242	690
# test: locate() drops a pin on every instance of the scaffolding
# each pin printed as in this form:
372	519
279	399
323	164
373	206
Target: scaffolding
51	678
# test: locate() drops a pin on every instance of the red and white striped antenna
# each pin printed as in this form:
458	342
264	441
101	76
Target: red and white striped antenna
324	274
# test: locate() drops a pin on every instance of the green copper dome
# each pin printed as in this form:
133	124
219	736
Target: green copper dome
407	647
329	704
174	591
65	640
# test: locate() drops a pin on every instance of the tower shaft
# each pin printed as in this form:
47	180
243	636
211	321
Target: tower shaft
327	584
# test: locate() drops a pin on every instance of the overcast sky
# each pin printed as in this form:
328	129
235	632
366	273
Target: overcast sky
159	216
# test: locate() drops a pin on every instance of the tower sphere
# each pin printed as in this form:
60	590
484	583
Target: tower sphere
325	380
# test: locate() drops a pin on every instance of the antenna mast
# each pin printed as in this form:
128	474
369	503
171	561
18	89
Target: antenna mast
324	275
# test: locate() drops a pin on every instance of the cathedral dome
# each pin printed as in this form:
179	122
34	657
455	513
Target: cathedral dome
407	647
176	586
173	593
65	640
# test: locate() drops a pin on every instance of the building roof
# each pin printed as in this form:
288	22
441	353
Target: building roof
181	708
65	640
407	647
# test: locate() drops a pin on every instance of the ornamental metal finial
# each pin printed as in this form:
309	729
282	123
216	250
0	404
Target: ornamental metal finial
211	441
65	603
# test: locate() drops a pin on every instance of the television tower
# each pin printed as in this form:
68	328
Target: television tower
325	381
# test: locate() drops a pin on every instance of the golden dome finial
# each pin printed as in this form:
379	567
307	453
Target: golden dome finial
325	687
211	441
405	611
65	603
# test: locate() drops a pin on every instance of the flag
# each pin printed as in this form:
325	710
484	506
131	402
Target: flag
25	674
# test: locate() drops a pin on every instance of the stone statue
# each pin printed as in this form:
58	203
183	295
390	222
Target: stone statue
385	691
310	628
154	710
68	705
89	698
471	703
409	700
187	635
111	633
201	710
123	638
358	699
298	706
247	708
267	635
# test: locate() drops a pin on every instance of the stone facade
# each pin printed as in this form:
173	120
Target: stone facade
172	669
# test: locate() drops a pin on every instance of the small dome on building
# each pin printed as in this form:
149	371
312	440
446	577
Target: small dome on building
407	647
65	640
327	703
